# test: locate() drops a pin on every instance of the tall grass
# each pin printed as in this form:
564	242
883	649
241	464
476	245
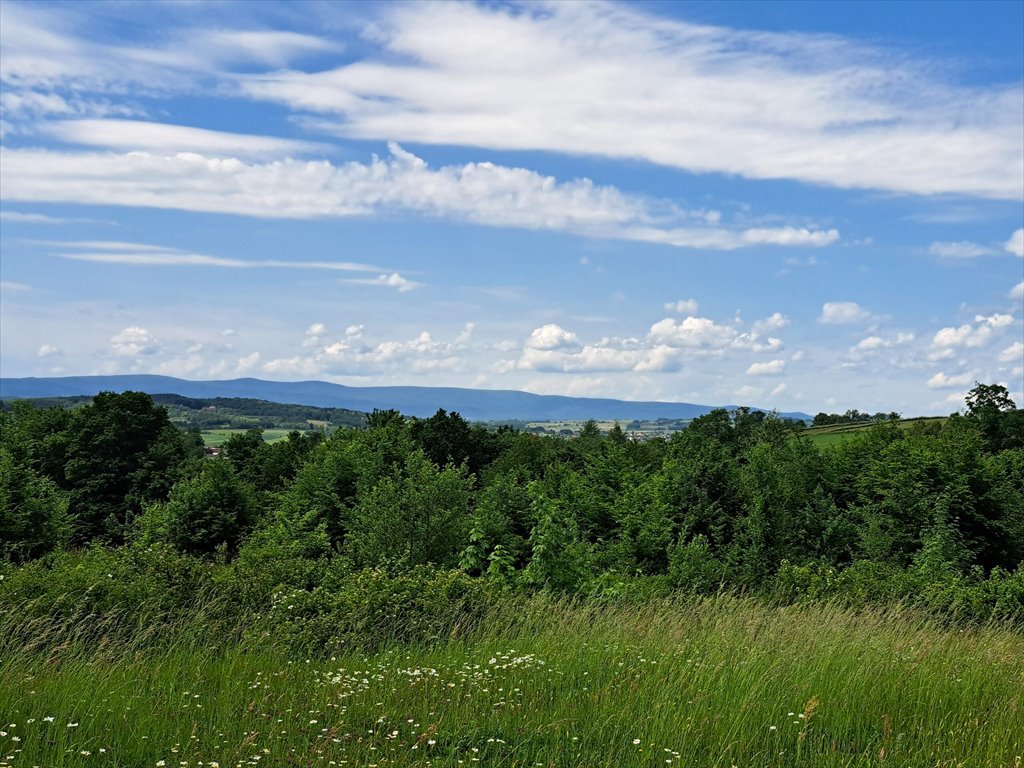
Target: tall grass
718	682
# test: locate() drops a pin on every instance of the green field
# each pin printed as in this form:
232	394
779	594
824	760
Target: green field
217	437
720	682
838	433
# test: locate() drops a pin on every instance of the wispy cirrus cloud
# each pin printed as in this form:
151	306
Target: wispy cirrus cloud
146	255
812	108
479	193
144	136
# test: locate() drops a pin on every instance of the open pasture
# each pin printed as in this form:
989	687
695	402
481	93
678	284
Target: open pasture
719	682
217	437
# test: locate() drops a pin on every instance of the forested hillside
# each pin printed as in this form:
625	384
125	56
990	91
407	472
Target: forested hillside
736	500
426	592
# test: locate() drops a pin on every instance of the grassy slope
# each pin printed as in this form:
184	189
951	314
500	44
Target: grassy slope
217	437
837	433
718	683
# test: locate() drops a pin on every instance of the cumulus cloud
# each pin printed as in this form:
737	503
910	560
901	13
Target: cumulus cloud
692	332
770	368
748	392
813	108
683	306
1015	244
551	336
49	350
843	312
943	381
1017	292
1013	353
134	342
479	193
776	321
875	343
970	336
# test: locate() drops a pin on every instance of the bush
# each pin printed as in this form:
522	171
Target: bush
214	508
372	608
99	592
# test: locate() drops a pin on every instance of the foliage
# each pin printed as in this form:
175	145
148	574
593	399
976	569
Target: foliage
371	608
932	514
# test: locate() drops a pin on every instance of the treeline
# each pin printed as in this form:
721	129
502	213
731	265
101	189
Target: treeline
932	515
225	412
852	416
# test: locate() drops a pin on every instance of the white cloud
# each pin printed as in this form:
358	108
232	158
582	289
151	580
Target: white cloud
47	47
1013	353
814	108
552	337
971	336
995	321
748	392
13	287
683	306
29	218
480	193
49	350
942	381
775	322
392	280
1015	244
145	255
692	332
960	250
314	335
133	342
842	312
1017	292
874	343
778	390
142	136
770	368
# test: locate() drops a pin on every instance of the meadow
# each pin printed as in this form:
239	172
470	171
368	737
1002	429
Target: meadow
719	681
430	592
215	438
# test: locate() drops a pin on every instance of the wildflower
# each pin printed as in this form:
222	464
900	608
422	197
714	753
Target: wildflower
636	741
72	725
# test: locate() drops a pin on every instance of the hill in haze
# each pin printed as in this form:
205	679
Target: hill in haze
473	404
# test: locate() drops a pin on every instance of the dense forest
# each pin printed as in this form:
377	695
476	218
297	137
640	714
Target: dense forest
736	501
224	412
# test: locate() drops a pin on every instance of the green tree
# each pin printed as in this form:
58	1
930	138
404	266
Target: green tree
418	514
33	512
122	452
214	508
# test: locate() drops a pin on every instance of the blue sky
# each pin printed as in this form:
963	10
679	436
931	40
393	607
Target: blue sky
813	206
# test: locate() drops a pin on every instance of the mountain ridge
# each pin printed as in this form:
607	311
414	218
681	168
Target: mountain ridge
472	404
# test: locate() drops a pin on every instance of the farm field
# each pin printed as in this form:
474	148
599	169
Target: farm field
217	437
838	433
714	682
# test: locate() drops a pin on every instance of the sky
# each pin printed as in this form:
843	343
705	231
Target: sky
803	206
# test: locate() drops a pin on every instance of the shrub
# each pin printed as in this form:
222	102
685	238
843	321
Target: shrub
372	608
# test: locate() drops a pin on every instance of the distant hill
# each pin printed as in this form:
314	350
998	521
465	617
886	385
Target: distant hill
473	404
